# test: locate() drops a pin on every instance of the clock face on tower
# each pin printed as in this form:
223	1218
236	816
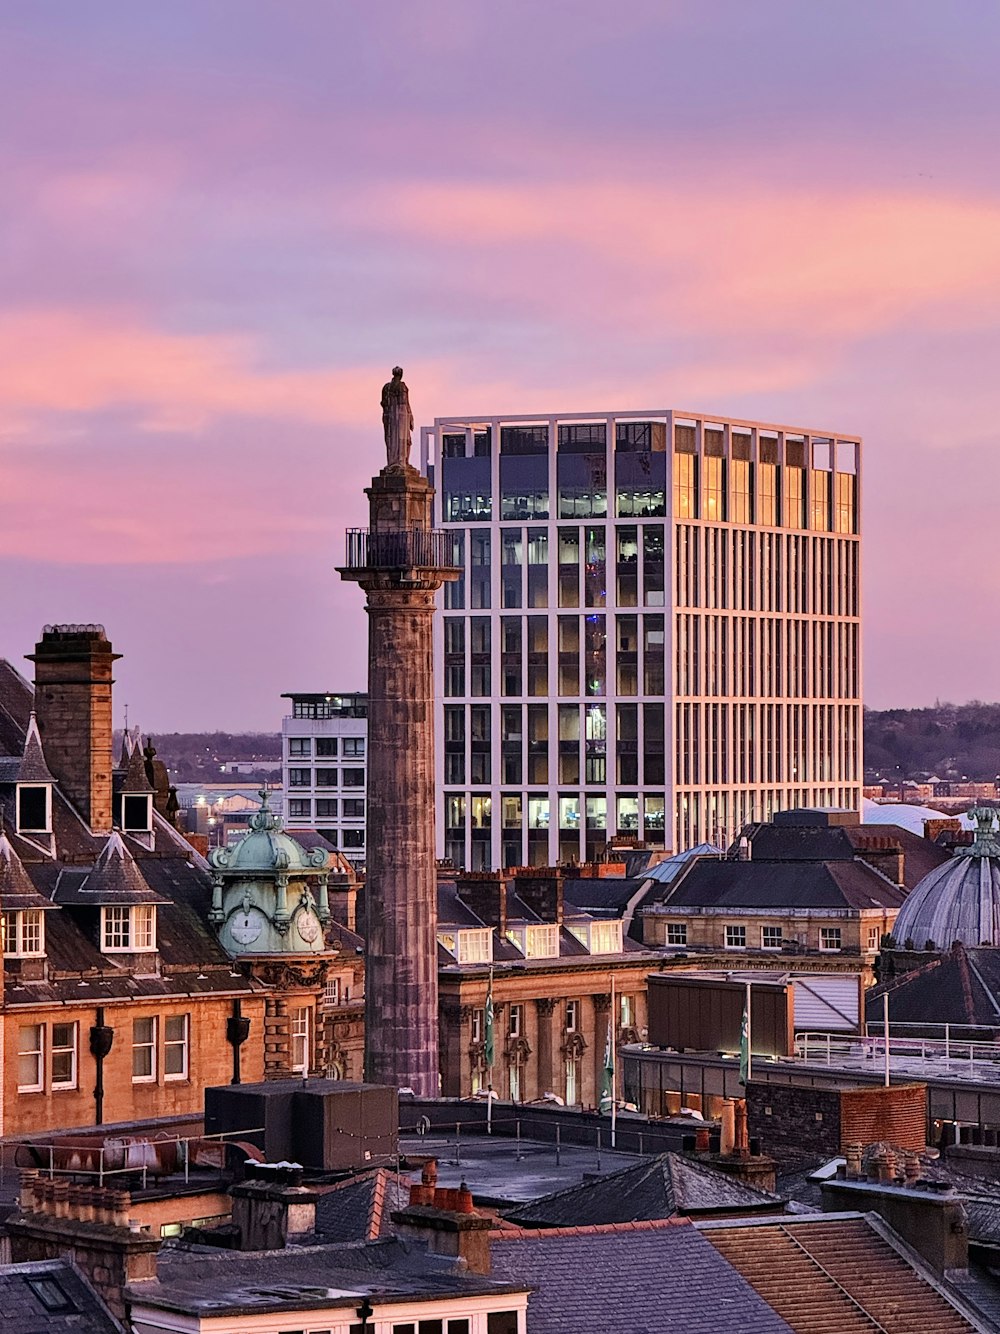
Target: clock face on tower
307	925
246	926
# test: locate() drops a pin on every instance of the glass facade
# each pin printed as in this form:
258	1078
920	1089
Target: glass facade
655	636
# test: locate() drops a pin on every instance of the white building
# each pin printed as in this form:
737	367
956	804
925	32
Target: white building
324	768
657	632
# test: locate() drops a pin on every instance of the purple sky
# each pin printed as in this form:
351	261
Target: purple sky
224	220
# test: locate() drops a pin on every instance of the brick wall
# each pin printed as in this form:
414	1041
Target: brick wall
825	1120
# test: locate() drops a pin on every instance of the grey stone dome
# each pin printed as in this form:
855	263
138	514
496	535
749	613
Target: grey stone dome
959	900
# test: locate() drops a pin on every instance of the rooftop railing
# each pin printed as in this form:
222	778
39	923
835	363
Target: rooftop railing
420	548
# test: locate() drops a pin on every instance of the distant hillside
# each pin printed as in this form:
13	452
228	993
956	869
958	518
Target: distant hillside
953	741
196	757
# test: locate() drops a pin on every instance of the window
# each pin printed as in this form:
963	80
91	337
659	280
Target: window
736	937
626	1011
354	838
354	808
572	1016
326	747
299	746
299	777
301	1017
874	938
501	1322
144	1050
605	937
327	807
685	487
300	808
770	938
677	933
542	942
354	747
515	1021
475	946
354	778
713	473
572	1081
51	1293
129	928
33	809
30	1058
23	933
829	937
477	1025
64	1056
327	777
331	994
176	1028
116	929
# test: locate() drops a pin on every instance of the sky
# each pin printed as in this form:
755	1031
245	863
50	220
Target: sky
223	222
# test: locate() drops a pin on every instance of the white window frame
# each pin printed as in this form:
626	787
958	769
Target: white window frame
331	994
152	1046
56	1049
24	829
183	1043
678	930
128	929
300	1034
515	1021
736	937
542	942
772	946
147	823
572	1088
475	945
477	1025
826	931
15	930
626	1009
606	937
572	1017
37	1051
874	937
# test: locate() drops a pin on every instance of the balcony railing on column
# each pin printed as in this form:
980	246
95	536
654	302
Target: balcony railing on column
420	547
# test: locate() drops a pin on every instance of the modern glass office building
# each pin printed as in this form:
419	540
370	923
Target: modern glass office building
656	632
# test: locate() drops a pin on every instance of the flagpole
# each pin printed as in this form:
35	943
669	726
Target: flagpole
749	1038
614	1065
885	1033
490	1054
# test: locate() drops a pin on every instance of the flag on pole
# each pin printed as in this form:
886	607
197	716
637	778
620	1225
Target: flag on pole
745	1043
489	1050
608	1072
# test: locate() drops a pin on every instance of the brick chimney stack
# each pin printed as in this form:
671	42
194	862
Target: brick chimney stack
540	888
446	1222
90	1224
73	681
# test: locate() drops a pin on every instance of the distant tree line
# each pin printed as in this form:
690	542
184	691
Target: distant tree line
197	757
952	741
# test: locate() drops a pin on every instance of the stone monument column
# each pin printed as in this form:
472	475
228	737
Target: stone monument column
400	562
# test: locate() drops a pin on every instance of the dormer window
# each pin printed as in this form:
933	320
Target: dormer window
129	930
137	814
536	942
23	934
34	808
599	937
474	945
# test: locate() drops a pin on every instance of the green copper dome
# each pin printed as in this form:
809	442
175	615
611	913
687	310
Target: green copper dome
267	850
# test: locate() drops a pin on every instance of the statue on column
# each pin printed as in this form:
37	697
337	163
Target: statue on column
397	419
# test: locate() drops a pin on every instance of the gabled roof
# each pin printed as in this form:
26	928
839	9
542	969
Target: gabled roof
360	1208
135	780
16	888
838	1272
658	1187
784	884
638	1278
116	878
33	768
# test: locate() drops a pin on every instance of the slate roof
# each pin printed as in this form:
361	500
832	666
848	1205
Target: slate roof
644	1278
838	1272
33	768
360	1208
23	1311
920	855
88	870
601	896
16	888
659	1187
306	1278
757	884
961	987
